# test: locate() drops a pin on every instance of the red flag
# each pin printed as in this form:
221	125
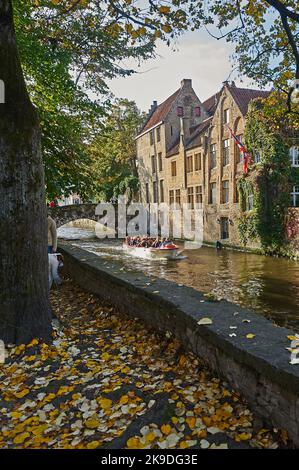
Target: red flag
243	150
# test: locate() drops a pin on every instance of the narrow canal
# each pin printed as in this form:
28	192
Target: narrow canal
266	285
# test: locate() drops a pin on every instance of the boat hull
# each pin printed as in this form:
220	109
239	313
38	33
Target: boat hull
151	253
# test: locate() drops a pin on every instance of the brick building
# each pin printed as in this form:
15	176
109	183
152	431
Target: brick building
186	155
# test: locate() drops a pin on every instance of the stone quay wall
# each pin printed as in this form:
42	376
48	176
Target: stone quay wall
259	368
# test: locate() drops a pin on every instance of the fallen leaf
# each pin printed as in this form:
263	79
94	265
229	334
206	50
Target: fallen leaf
250	336
205	321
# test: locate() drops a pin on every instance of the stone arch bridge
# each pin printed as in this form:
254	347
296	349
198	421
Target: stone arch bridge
64	214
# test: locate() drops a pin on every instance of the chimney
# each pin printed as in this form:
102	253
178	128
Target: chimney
186	82
153	107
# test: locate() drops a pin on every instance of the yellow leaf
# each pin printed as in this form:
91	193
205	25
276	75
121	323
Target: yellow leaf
207	421
30	358
190	420
124	400
150	437
134	443
34	342
166	429
92	423
39	429
93	445
105	403
184	445
166	28
244	436
164	10
105	356
250	336
21	438
23	393
49	398
292	338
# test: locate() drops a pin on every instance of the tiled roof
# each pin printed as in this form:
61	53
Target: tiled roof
174	149
243	96
161	112
191	141
197	131
211	103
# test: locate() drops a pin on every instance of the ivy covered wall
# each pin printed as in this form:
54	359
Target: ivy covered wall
264	193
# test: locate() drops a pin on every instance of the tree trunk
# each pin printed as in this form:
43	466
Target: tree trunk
25	311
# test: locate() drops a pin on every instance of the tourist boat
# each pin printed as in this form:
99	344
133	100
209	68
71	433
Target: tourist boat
165	252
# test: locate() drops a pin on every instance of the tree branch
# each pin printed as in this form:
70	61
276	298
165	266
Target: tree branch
283	10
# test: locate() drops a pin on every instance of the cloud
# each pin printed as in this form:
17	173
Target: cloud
197	56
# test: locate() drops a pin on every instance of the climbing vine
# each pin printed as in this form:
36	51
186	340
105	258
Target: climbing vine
267	183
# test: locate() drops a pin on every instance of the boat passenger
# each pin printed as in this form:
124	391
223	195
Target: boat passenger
156	243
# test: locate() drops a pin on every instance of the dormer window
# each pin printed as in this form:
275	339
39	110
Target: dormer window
180	111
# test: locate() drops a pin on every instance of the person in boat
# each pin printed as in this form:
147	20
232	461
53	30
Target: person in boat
144	242
156	243
166	241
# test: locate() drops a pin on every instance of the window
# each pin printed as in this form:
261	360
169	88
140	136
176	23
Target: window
171	130
161	190
295	196
225	149
197	161
153	164
173	168
225	191
158	134
224	228
250	202
180	111
198	194
171	197
178	197
152	138
155	187
160	161
226	116
257	157
213	155
190	164
213	193
197	111
294	156
147	195
191	197
239	155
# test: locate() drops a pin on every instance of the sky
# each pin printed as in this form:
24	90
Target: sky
197	56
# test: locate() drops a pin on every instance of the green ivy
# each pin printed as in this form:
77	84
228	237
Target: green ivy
269	181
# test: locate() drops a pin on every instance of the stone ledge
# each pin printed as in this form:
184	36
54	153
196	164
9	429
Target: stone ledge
259	368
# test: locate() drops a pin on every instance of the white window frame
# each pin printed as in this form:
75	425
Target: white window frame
226	151
295	195
294	156
226	116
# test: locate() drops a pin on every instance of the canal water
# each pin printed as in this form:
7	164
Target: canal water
266	285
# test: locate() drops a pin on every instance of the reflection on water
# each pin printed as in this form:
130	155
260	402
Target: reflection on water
269	286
